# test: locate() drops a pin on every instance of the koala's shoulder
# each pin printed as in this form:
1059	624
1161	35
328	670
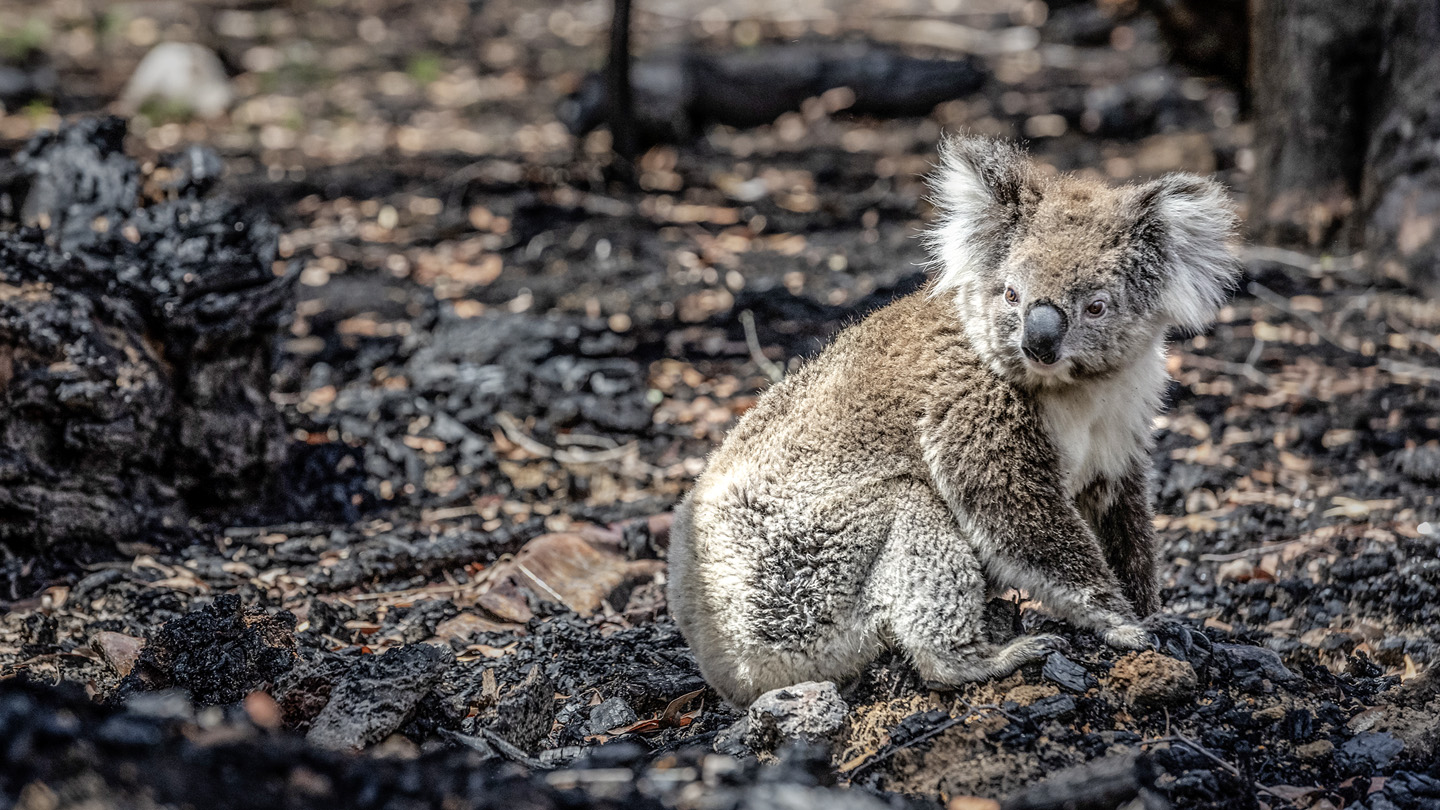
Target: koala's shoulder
920	346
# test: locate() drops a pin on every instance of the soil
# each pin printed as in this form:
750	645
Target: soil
379	518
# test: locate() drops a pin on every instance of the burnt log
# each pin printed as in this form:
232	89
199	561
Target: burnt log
1119	780
1346	99
677	94
136	347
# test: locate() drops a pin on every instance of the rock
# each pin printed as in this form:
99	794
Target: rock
183	75
1119	780
119	650
1245	658
375	697
613	713
1055	707
1368	752
1067	673
1270	714
731	739
811	712
1149	680
524	714
1407	790
217	654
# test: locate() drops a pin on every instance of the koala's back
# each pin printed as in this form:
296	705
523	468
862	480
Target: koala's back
775	545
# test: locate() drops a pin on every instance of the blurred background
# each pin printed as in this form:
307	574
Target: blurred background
416	102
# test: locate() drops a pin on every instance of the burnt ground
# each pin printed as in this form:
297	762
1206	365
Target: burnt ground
499	370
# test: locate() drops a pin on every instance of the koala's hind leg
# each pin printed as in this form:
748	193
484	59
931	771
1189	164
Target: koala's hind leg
930	588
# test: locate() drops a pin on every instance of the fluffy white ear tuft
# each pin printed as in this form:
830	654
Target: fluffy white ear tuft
977	189
1196	231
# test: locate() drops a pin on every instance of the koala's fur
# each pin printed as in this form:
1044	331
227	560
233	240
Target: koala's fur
868	500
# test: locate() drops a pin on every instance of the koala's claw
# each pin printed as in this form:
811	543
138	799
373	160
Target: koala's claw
1128	636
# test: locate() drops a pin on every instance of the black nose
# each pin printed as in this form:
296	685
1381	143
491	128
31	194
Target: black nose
1044	329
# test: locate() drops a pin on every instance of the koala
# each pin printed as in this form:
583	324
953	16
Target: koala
992	430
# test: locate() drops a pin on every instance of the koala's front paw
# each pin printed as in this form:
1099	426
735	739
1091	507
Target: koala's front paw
1128	636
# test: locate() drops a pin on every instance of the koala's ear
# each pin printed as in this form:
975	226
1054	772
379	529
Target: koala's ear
980	189
1188	221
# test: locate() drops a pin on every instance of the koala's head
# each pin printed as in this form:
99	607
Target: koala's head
1060	279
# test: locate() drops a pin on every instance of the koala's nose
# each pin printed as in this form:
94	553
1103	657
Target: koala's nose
1044	329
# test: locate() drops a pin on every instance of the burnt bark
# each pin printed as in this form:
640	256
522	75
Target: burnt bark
136	347
1347	118
1400	190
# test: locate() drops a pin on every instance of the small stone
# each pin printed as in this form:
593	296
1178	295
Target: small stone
184	74
1318	749
811	712
1245	657
613	713
1067	673
1270	714
119	650
731	740
1368	752
1057	707
1149	680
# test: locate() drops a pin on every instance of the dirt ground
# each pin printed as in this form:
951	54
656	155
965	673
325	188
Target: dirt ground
500	368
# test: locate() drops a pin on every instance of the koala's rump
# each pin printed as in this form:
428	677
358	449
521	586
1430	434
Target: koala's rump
772	593
775	546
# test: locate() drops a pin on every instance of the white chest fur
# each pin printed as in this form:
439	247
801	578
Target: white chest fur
1100	427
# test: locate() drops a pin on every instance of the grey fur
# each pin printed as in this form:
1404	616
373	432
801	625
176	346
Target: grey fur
869	499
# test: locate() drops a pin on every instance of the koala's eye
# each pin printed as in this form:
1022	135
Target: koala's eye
1096	308
1011	297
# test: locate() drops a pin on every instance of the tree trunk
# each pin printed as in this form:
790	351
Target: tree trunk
619	96
1400	191
1347	119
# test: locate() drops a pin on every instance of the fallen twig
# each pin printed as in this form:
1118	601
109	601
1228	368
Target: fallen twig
571	455
1314	266
1213	757
1249	552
